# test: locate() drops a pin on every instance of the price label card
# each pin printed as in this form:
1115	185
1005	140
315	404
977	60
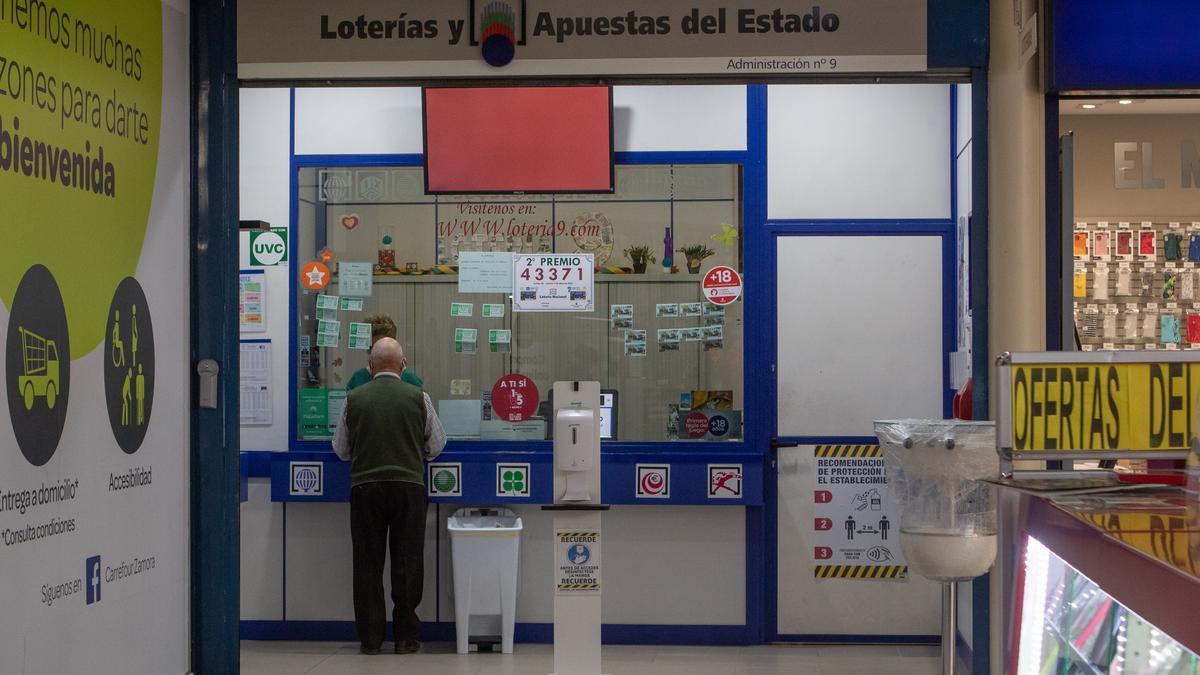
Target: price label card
554	283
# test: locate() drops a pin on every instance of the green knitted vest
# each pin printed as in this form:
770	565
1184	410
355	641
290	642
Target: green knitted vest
385	421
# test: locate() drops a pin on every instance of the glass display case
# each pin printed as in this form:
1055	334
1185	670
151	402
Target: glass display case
1069	625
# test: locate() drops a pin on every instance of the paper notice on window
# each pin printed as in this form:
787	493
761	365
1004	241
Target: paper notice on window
355	279
484	272
255	376
336	401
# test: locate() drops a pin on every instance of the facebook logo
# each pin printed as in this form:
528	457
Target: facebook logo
92	579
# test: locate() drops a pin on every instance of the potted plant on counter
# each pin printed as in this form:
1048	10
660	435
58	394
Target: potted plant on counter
696	253
640	256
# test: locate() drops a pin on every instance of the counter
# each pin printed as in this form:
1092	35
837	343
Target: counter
1110	583
693	475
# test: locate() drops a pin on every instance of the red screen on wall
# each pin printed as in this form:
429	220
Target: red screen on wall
518	139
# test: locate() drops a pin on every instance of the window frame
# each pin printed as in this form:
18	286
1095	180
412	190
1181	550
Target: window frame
630	449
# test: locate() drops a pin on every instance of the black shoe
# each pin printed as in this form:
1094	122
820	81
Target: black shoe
408	647
369	651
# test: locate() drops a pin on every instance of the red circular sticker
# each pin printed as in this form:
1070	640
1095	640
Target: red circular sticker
696	425
314	276
722	285
514	398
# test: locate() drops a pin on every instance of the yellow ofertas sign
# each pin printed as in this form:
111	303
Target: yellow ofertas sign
1103	406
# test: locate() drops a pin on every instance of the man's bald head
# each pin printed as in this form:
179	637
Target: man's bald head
387	356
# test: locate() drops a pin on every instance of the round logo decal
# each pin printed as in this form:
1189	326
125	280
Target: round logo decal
306	479
579	554
38	365
696	424
268	249
444	480
314	276
722	285
653	483
514	398
129	365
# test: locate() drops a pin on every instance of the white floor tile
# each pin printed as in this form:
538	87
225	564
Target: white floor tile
333	658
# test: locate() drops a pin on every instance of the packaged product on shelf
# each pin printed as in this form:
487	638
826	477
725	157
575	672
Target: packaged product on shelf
1080	283
1147	244
1169	282
1193	327
1109	329
1171	242
1131	325
1090	326
1125	244
1150	325
1081	244
1147	282
1100	283
1187	285
1194	247
1101	244
1169	329
1124	281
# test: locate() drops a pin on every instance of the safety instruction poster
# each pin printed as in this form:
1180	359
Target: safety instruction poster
577	556
554	283
856	524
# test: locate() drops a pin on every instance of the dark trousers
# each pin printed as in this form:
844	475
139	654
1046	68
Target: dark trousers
387	516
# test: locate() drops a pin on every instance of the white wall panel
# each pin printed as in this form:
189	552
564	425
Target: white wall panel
860	332
675	565
644	583
358	121
263	146
264	193
838	606
858	151
261	552
679	118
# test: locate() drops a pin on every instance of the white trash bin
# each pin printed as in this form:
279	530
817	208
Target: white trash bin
485	546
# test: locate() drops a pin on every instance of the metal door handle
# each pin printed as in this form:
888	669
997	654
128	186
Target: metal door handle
208	370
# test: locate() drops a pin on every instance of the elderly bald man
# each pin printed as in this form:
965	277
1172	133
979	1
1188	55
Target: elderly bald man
387	432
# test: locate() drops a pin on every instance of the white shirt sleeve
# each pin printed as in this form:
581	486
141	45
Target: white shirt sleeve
435	436
341	441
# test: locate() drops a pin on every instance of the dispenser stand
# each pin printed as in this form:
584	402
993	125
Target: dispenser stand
949	626
577	514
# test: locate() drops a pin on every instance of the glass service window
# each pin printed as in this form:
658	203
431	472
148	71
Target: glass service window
669	361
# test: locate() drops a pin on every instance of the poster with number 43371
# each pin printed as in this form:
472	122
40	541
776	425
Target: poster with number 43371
549	282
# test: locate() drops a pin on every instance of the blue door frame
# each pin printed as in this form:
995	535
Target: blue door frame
943	229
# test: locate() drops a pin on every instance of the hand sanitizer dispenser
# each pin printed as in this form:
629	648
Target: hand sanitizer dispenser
576	442
574	429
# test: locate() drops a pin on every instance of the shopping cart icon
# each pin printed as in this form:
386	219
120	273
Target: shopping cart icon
39	378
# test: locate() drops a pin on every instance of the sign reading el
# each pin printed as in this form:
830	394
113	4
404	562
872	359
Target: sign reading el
1103	406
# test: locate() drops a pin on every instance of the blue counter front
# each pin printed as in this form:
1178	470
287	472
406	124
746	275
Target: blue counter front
707	476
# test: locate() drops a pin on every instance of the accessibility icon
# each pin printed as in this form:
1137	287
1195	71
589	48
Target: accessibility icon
129	365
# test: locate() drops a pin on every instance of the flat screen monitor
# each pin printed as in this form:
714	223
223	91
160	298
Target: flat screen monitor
504	140
608	414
